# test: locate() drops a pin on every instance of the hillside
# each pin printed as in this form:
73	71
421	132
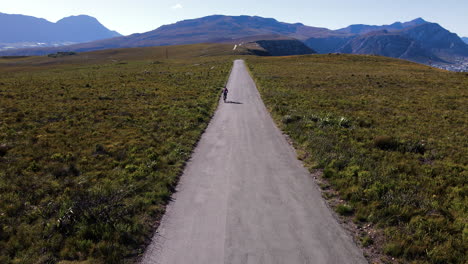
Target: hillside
390	45
417	40
465	40
326	44
277	47
32	30
386	140
434	38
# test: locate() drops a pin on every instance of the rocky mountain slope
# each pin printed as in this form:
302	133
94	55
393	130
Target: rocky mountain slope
388	44
437	39
363	29
417	40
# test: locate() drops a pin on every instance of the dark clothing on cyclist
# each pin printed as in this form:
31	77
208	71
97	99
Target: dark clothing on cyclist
225	92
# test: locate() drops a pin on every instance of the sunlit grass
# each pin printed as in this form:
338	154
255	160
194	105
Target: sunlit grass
391	137
92	145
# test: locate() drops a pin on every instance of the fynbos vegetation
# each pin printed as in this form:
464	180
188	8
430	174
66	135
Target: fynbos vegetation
91	148
389	135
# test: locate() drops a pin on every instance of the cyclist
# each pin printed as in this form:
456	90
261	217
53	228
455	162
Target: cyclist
225	92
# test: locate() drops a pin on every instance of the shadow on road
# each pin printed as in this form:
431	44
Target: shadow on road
232	102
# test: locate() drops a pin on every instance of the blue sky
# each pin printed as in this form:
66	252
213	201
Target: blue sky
136	16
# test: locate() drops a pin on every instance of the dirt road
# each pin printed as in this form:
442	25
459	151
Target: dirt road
245	198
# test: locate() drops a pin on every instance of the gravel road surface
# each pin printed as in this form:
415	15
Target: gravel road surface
245	198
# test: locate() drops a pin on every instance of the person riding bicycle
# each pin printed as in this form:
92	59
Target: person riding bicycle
225	92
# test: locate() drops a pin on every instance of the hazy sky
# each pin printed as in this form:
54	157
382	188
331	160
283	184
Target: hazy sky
136	16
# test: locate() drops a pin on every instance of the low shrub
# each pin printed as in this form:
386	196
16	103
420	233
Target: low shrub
367	241
393	249
4	149
386	143
344	209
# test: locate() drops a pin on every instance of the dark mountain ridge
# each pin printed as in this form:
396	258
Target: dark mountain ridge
417	40
278	47
425	43
437	39
389	44
363	29
218	28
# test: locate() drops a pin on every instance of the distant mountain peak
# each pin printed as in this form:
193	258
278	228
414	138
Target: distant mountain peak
79	19
419	20
434	37
74	29
364	29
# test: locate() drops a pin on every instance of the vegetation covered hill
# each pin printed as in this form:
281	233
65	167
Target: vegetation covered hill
390	137
91	146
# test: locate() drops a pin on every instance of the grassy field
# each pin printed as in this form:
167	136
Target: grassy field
391	138
91	147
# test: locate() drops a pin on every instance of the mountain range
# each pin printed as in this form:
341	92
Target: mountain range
465	39
19	29
416	40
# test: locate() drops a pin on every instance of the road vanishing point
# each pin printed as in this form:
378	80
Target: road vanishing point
244	197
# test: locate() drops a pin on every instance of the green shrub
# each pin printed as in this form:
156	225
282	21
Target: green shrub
386	143
4	149
287	119
393	249
131	168
367	241
329	172
344	209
